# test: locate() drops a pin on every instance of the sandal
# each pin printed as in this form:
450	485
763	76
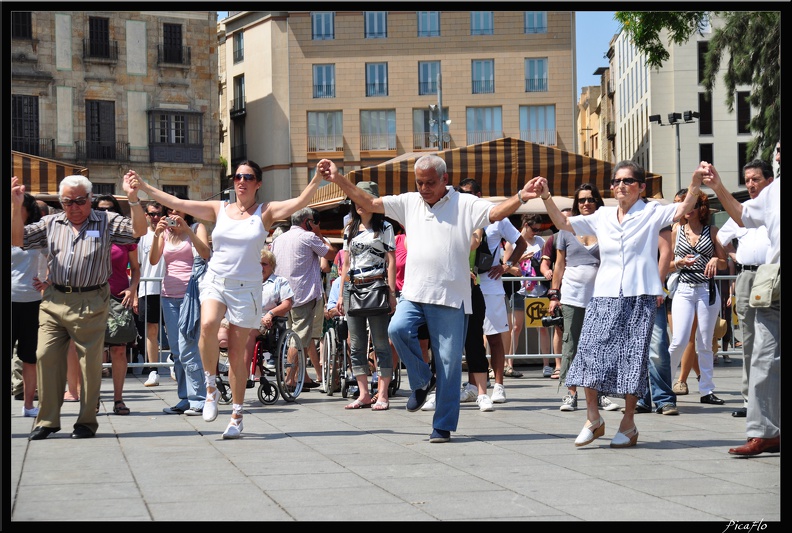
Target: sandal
120	408
556	374
357	404
383	405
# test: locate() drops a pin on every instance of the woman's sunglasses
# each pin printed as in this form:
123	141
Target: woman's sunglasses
246	177
587	200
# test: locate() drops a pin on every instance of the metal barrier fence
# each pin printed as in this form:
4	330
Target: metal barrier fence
529	337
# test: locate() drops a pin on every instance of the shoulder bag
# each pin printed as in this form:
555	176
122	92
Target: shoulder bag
121	328
766	288
367	299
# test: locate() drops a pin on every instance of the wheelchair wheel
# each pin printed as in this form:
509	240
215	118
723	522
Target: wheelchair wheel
329	361
395	380
267	392
343	370
225	390
290	373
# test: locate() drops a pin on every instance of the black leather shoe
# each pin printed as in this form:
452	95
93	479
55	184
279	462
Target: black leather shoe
712	399
42	432
742	412
82	432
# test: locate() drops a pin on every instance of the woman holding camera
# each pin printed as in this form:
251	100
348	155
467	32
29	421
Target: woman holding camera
576	265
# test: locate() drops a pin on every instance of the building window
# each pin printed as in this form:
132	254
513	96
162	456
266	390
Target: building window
239	143
536	75
538	124
25	124
175	136
376	24
428	24
425	129
483	73
743	112
378	129
239	47
176	190
325	131
742	160
427	76
324	81
376	79
705	116
100	129
172	50
99	38
102	189
238	103
323	25
701	49
481	23
536	22
484	124
706	153
21	25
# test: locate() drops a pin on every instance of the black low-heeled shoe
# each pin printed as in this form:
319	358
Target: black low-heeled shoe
42	432
712	399
82	432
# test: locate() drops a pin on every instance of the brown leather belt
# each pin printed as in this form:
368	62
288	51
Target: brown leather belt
358	281
67	289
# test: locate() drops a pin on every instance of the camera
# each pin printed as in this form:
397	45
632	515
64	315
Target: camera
170	222
555	320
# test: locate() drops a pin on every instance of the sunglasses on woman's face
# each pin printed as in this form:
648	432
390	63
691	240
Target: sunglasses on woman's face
246	177
586	200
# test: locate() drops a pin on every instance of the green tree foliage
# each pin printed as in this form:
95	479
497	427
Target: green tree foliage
751	43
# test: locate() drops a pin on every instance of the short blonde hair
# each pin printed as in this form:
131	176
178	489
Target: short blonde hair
269	256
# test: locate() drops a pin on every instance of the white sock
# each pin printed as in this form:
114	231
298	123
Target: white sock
210	379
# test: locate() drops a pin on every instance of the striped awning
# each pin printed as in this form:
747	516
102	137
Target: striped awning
501	167
40	175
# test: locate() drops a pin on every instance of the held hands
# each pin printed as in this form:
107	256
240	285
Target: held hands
536	188
17	192
703	173
328	170
711	178
133	183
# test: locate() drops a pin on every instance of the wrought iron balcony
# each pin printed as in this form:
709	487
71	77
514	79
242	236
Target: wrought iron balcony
535	85
427	87
102	150
237	107
174	55
427	140
326	143
102	50
324	91
483	86
34	146
376	89
378	142
546	137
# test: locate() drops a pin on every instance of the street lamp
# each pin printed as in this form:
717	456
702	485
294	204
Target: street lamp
440	136
675	119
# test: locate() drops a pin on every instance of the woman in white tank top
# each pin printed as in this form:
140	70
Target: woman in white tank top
232	284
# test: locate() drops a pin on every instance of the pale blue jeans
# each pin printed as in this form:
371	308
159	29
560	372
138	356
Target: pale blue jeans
187	364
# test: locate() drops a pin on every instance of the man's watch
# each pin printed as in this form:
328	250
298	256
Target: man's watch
507	264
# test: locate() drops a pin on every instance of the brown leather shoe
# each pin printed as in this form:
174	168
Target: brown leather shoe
756	445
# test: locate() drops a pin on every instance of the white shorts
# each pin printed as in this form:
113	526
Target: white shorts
496	319
241	298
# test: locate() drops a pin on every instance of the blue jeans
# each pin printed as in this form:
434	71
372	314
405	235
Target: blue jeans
659	365
186	358
447	327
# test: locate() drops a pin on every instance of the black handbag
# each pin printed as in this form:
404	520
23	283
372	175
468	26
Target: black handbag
367	299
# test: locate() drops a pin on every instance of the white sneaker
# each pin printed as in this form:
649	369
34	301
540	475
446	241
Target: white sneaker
269	361
153	379
468	393
172	371
194	411
607	404
569	403
234	429
498	394
484	403
429	404
30	413
210	406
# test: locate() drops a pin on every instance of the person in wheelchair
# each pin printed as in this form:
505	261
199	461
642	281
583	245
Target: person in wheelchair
277	299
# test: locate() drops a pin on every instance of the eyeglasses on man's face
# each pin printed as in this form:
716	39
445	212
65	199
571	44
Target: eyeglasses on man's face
67	202
246	177
626	181
586	200
154	214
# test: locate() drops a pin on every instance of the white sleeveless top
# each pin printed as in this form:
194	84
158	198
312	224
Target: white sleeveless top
237	245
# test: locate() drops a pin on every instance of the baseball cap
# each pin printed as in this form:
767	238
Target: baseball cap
370	187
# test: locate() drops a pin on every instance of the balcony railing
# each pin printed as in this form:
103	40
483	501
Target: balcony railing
324	91
100	49
102	150
174	55
475	137
536	29
378	142
427	87
237	107
546	137
535	85
34	146
326	143
376	89
422	141
483	86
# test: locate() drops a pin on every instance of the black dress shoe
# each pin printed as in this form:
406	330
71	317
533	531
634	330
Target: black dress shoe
712	399
742	412
82	432
42	432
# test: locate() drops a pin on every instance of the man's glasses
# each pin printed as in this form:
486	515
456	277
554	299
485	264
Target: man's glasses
246	177
153	214
588	199
80	200
626	181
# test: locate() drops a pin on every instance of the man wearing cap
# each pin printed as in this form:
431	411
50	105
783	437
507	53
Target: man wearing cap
298	253
75	305
439	222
